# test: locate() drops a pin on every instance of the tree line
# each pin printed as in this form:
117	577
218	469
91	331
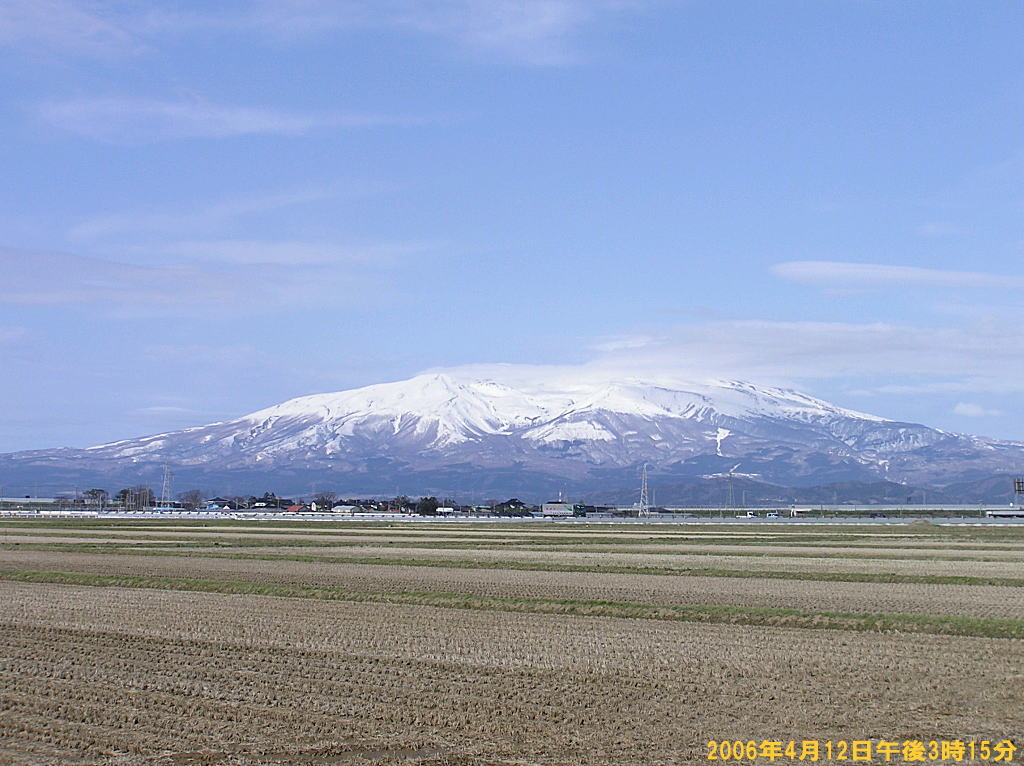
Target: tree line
142	496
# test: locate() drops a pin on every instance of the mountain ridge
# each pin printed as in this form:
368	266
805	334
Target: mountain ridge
590	433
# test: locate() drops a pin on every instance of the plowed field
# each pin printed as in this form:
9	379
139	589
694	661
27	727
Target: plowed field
308	646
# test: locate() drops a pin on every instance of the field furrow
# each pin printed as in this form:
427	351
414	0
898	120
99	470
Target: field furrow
180	644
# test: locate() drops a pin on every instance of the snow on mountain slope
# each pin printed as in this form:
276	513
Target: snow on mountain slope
438	411
449	410
580	427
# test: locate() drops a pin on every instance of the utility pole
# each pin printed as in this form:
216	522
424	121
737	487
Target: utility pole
644	508
165	489
732	496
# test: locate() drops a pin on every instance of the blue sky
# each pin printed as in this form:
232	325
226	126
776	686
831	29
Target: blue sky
207	208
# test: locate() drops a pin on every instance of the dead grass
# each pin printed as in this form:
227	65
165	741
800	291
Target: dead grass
129	676
173	644
716	613
381	575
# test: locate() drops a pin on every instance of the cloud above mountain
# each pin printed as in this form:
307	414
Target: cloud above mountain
837	274
769	350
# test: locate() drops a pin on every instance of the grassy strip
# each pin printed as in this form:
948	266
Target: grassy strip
829	552
806	531
403	534
733	615
542	538
527	566
241	543
545	566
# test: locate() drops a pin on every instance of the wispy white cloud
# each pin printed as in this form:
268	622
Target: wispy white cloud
160	410
973	384
805	356
89	28
137	121
787	351
797	354
537	32
837	274
972	410
286	253
292	275
622	342
12	334
209	216
36	278
184	355
939	229
534	32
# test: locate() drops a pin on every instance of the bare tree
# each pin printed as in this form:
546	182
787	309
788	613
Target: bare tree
325	500
98	497
135	498
191	499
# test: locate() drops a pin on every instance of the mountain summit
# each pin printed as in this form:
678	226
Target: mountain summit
457	433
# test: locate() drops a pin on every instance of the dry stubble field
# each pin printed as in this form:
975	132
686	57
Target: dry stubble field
439	643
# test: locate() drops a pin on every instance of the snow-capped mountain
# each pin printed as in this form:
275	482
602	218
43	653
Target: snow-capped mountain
446	432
